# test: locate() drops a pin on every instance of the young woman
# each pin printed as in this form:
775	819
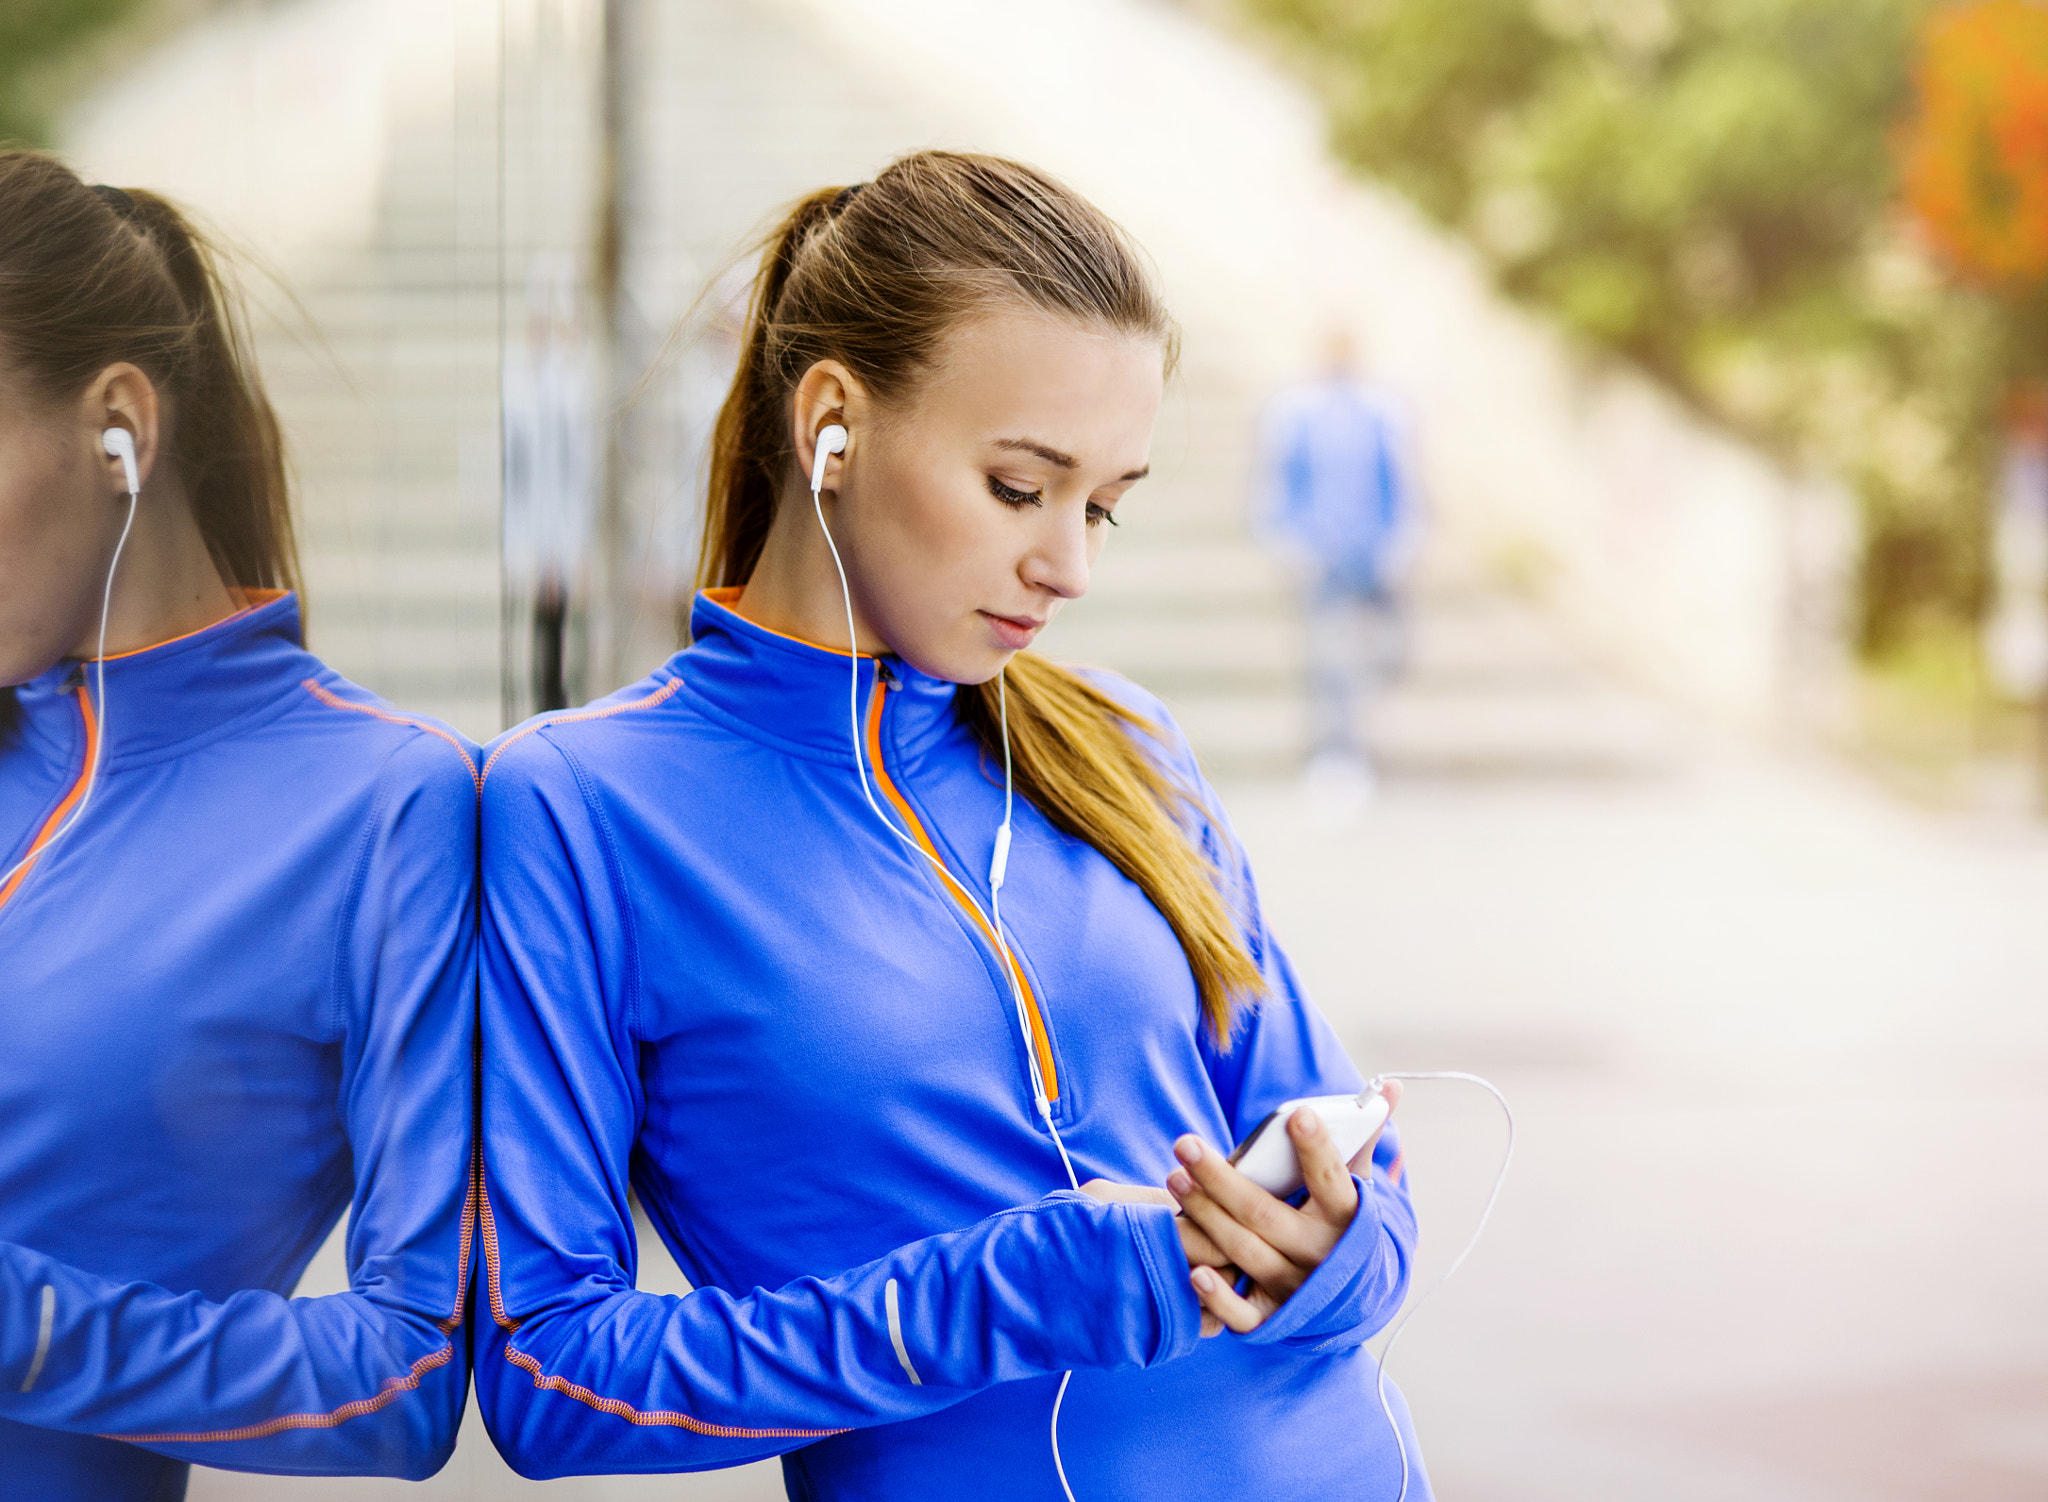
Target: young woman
768	936
237	941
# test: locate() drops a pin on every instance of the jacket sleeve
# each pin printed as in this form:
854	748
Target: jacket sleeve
371	1381
1283	1050
577	1373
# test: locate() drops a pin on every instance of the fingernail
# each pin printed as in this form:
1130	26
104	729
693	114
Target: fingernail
1205	1281
1188	1150
1307	1123
1180	1184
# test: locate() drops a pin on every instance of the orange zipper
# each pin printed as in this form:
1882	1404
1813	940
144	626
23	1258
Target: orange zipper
56	820
1039	1042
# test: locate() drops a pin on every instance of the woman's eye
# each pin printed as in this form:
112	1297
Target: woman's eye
1100	514
1009	495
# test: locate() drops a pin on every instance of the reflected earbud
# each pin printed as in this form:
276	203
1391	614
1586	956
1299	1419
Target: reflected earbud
831	440
120	444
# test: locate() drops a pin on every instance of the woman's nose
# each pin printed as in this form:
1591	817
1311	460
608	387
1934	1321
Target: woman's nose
1059	562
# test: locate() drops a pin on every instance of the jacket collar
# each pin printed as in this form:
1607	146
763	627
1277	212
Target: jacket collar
165	698
794	692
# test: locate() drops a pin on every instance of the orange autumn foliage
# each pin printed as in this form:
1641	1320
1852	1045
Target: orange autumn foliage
1975	156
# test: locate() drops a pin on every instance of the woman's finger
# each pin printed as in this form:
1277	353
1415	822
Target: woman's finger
1238	1244
1221	1300
1195	1243
1289	1232
1331	1193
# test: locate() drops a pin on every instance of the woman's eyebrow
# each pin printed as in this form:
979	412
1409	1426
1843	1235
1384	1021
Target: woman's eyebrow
1044	451
1052	455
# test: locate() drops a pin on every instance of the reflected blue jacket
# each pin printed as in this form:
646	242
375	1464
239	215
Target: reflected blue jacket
710	973
238	1001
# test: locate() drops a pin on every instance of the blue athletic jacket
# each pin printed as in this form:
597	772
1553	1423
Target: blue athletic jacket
711	974
235	1001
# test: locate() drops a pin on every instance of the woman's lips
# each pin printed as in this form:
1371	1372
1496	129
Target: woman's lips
1014	632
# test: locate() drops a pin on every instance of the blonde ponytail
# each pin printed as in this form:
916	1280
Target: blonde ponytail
1077	755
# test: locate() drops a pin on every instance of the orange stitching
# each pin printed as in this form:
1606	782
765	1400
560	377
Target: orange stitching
569	719
1040	1043
469	1212
634	1415
584	1395
337	702
490	1230
727	597
256	598
35	849
393	1387
1394	1169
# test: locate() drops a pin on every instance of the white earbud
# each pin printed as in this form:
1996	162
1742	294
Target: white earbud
831	440
120	444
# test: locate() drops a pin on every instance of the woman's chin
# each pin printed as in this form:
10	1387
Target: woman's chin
22	661
966	665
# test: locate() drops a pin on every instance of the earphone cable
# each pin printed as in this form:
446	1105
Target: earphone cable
997	872
1500	1179
99	750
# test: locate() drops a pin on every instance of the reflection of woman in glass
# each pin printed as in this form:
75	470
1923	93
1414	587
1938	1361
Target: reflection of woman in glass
236	927
758	976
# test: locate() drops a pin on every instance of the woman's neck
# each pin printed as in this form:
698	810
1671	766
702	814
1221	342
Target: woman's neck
167	584
795	589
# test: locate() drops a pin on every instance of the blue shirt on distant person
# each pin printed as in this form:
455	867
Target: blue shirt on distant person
1338	483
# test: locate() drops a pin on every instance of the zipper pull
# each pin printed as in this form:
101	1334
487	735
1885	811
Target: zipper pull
882	674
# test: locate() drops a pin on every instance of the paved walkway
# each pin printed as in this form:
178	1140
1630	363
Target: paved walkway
1776	1047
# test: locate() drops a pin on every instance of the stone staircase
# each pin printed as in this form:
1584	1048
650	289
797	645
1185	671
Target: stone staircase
389	407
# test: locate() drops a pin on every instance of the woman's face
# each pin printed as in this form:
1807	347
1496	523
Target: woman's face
59	518
970	516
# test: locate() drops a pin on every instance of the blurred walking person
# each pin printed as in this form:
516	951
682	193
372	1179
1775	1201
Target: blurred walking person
1338	504
237	918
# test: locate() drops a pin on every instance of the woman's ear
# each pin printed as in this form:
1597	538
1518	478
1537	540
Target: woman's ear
121	396
827	393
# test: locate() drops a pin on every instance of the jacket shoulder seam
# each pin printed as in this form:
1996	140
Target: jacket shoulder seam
333	700
573	717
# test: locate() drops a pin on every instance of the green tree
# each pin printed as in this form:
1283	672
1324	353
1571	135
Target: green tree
34	33
1710	189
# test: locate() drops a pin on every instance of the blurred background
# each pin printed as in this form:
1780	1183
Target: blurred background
1691	775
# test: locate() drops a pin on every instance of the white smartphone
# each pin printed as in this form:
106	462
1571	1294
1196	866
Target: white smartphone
1266	1157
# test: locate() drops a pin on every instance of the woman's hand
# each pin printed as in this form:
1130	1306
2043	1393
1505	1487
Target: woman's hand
1276	1244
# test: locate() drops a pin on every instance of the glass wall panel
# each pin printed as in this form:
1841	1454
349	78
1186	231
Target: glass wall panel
557	274
350	152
